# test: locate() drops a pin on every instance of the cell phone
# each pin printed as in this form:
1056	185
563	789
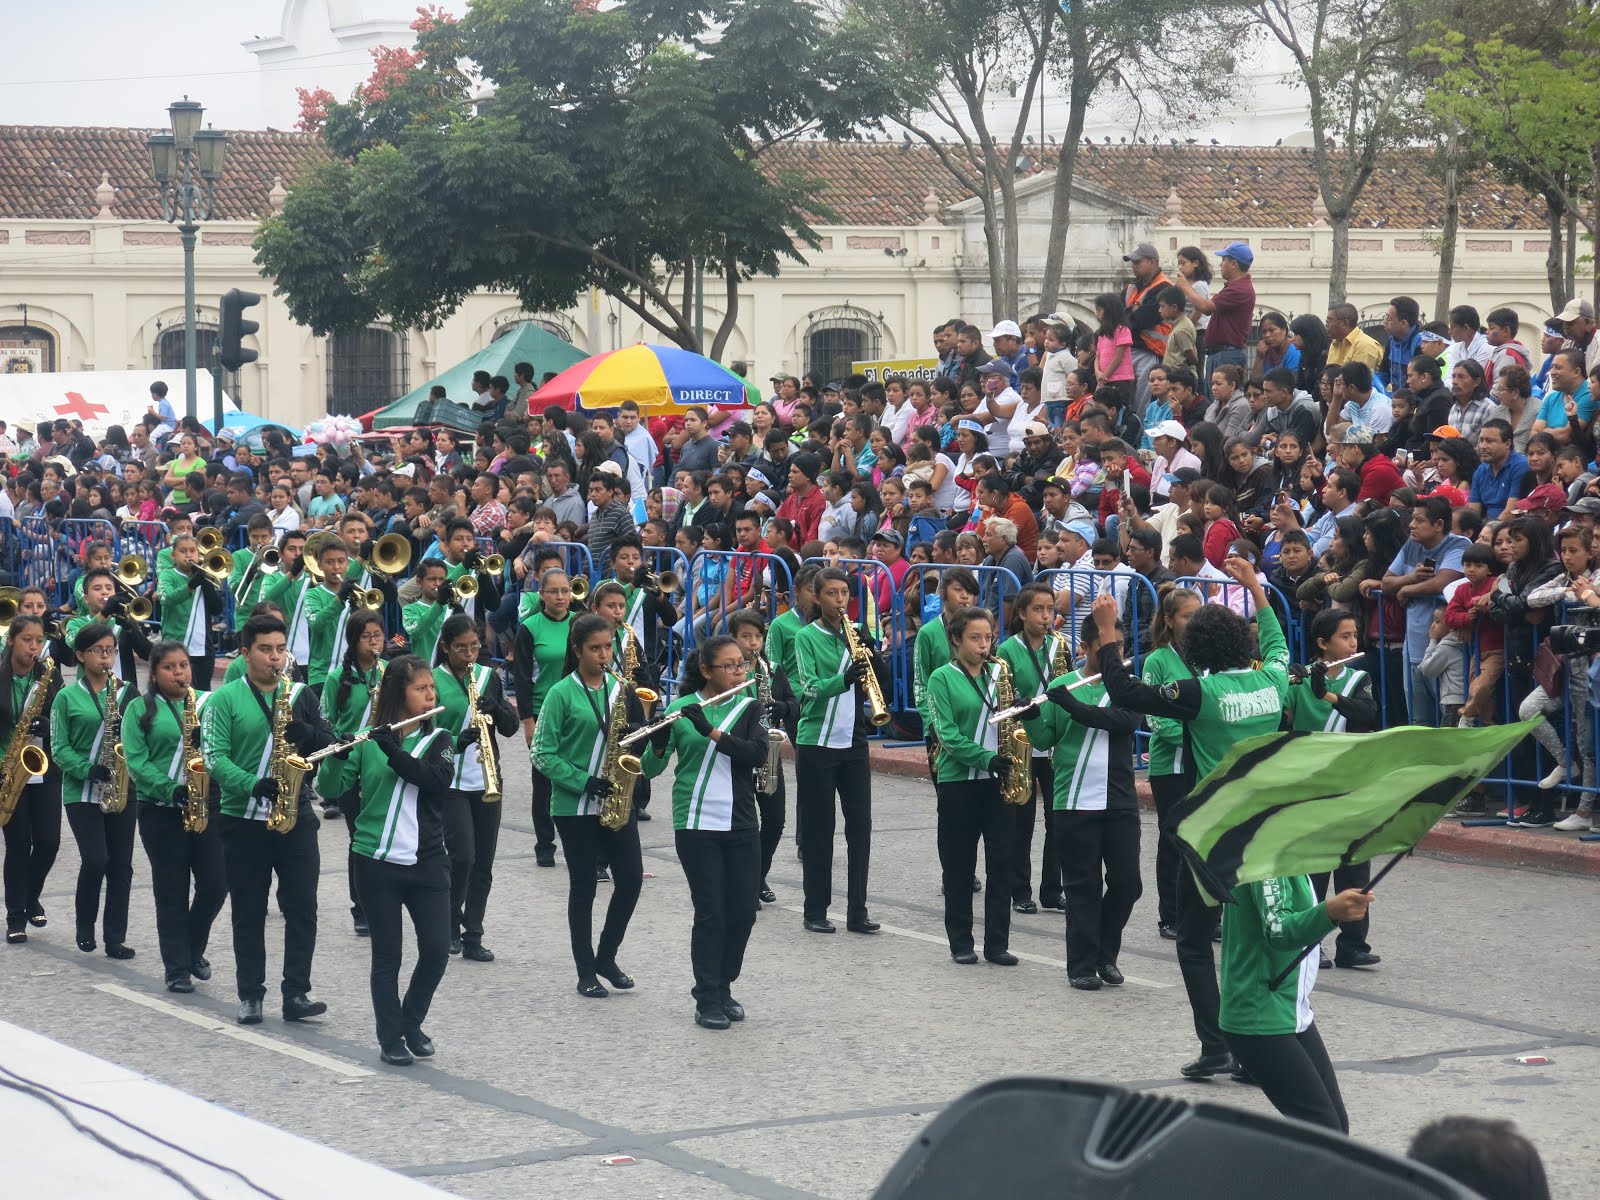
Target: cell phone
1282	498
1430	563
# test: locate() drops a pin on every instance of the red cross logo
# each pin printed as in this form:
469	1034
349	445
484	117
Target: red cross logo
77	406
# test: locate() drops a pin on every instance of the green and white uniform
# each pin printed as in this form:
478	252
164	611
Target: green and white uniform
781	635
1316	714
569	742
1263	931
236	669
337	776
1165	665
156	759
422	620
1084	774
1030	670
183	611
77	734
830	707
326	619
236	740
289	592
960	706
929	652
541	654
163	560
401	820
714	788
242	561
456	719
453	572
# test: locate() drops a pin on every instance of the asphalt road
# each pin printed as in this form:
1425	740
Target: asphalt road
852	1043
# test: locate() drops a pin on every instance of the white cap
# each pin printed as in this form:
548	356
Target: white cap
1006	329
1169	429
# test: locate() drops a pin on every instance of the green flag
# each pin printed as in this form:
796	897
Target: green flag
1299	803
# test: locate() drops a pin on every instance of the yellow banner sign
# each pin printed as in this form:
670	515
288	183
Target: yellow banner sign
881	369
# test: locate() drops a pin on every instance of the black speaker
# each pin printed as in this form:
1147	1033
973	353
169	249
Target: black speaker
1079	1140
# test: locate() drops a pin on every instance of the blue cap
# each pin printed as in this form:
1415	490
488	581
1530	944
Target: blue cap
1240	252
1084	529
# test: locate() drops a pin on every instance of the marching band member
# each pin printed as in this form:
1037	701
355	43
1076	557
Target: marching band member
472	817
569	750
237	665
261	537
1095	811
347	704
611	601
718	748
648	613
960	696
399	844
189	598
289	590
831	757
462	554
328	608
158	751
539	658
103	605
33	835
238	744
1164	664
96	556
786	626
80	720
1029	652
423	618
748	628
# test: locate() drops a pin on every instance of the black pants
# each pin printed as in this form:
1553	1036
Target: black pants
772	809
1352	934
33	839
544	829
105	861
252	854
1167	791
471	834
202	670
1387	667
583	839
720	865
1524	756
1294	1072
423	890
820	773
969	810
183	923
1100	874
1044	790
350	808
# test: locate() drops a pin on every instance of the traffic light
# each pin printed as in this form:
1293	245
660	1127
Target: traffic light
232	353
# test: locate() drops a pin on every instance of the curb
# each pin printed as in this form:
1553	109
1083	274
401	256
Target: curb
1487	845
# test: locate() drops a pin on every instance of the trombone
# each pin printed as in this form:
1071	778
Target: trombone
314	543
210	539
268	562
580	590
217	563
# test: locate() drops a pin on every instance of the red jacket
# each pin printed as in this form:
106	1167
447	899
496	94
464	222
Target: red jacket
805	512
1220	534
1459	617
1379	477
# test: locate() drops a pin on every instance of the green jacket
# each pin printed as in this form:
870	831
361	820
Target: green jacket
422	620
960	707
1165	665
1030	669
242	560
325	619
569	742
1268	924
236	741
929	652
183	610
401	819
457	718
289	592
337	776
781	634
541	656
77	733
830	708
714	784
156	759
1093	748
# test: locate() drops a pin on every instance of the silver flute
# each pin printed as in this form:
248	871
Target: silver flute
1005	714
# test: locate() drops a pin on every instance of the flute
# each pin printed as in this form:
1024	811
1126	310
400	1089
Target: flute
396	726
640	734
1338	662
1005	714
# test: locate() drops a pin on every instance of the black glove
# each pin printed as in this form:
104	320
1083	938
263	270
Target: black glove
265	789
855	672
1298	672
467	737
695	714
386	739
113	607
180	795
38	725
1028	714
366	550
298	732
447	593
486	704
196	577
387	586
297	566
598	788
348	589
1319	679
99	773
1060	695
1000	767
661	739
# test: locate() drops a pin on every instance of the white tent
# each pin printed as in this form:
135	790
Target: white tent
98	398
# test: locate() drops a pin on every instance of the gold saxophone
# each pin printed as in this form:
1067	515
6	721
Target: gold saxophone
1017	787
23	760
491	770
876	706
287	767
1061	660
621	768
114	795
196	779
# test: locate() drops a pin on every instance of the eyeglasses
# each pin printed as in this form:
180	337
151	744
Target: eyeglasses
739	667
104	651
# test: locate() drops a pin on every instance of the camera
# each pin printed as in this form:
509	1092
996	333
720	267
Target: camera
1580	637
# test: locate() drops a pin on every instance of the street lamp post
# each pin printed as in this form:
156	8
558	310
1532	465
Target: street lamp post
186	164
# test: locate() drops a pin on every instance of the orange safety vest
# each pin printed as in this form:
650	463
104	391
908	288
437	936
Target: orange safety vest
1154	338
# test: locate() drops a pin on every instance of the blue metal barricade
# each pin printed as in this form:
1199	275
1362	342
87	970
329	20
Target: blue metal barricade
575	559
77	535
44	560
146	539
668	650
11	552
916	605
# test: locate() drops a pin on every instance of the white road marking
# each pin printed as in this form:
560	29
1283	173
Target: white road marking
238	1033
932	939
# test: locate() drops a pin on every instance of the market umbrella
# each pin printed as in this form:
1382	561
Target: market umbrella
659	379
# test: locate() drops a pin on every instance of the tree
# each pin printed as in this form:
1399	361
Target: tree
623	154
1351	57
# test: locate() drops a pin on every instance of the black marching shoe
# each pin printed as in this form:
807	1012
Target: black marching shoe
1168	933
862	925
1026	907
965	957
455	945
1085	983
1361	958
711	1018
1240	1075
16	935
118	950
86	941
200	968
601	875
420	1044
768	896
36	916
544	856
181	984
614	975
1000	958
1053	903
592	988
476	952
1110	974
361	926
396	1055
732	1009
820	925
249	1012
298	1008
644	814
1207	1065
1324	962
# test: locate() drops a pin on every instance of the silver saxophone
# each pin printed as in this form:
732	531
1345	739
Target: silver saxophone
771	773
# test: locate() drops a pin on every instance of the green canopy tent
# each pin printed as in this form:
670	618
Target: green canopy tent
528	343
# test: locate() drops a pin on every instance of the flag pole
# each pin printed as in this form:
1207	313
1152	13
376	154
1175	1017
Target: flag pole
1277	980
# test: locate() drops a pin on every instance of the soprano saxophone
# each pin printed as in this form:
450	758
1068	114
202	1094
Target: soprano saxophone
1017	786
196	779
485	724
877	707
287	767
114	794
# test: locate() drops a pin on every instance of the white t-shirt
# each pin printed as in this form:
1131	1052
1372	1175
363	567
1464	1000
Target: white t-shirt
948	494
999	429
287	521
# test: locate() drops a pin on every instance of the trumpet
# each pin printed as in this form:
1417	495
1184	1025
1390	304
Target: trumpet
395	726
491	564
660	583
640	735
466	586
1005	714
370	598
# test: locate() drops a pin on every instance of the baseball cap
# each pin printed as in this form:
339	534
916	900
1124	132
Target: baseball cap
1171	429
1240	252
995	366
1142	250
1060	484
1183	475
609	468
1585	504
1576	308
1035	429
1006	329
1356	435
1547	497
1084	529
892	536
1446	431
1453	494
410	470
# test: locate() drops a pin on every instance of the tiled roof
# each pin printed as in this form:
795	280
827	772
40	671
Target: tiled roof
884	183
51	173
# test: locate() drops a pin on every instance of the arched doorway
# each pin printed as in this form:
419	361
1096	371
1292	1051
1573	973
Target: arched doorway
839	337
367	369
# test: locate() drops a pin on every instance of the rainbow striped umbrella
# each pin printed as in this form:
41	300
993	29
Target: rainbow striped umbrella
659	379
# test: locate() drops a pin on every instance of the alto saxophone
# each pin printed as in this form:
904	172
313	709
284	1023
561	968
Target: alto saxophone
1017	786
1061	660
114	794
23	760
491	770
287	767
771	773
196	779
877	708
621	768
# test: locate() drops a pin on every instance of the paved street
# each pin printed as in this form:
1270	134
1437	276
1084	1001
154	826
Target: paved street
852	1043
